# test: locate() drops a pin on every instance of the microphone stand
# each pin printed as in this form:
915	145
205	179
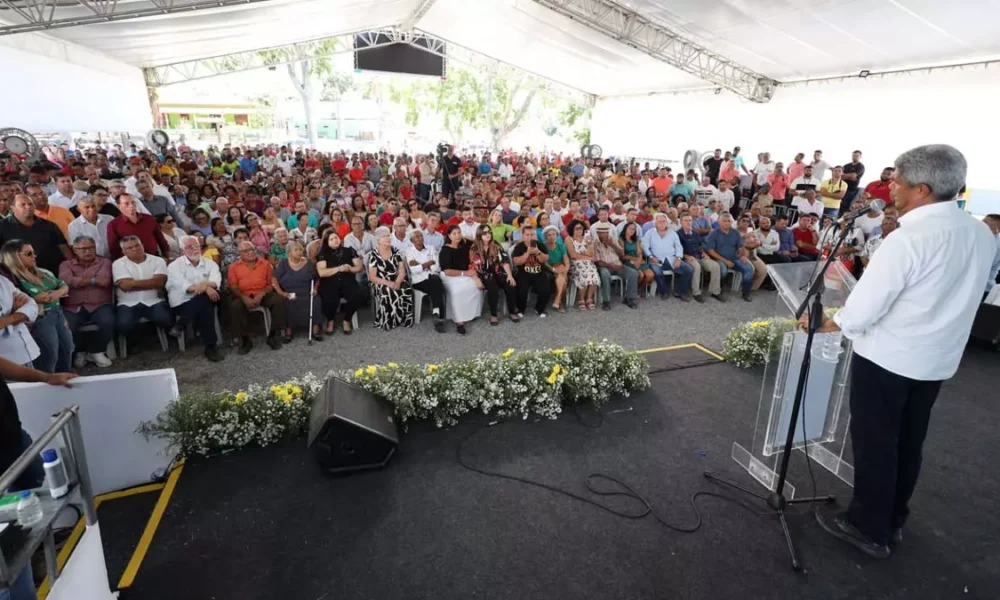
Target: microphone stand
777	500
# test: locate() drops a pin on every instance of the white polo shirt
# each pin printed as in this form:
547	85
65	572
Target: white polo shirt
124	268
912	312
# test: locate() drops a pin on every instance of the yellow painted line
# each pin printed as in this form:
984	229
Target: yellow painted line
147	535
142	489
81	526
709	352
665	349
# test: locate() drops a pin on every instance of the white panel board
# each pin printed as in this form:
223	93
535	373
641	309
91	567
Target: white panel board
111	407
85	576
68	88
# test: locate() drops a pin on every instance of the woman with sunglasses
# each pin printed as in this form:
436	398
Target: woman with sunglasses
492	265
54	339
258	235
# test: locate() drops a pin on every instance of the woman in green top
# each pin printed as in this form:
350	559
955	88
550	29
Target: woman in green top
558	262
634	256
54	339
501	231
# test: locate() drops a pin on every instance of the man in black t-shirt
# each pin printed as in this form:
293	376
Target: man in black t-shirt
853	172
531	259
43	235
712	166
451	171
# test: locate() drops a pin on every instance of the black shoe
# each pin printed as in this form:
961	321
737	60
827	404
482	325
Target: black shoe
631	303
746	297
896	538
664	297
605	306
439	325
699	299
318	337
213	354
245	345
840	527
274	342
718	297
460	329
682	298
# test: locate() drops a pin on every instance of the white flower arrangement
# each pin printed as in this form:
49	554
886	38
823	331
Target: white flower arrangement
537	382
756	342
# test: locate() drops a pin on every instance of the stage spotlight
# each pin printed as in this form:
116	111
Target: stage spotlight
864	73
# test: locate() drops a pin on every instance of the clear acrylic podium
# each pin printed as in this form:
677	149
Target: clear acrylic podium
822	429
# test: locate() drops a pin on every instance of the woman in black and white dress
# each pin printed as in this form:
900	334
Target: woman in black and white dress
392	300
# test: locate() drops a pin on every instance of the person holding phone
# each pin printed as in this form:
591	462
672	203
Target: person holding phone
531	260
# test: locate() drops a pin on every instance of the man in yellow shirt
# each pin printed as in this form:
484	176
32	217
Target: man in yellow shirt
50	212
832	191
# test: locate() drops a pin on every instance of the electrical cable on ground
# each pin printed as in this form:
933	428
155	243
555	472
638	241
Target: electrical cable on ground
646	507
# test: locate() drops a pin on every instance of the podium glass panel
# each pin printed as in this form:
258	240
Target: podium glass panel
822	428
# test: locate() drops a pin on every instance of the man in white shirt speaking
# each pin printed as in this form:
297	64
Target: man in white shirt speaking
909	318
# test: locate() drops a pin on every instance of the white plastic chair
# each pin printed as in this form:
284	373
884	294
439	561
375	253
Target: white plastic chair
267	318
418	305
110	352
189	330
160	333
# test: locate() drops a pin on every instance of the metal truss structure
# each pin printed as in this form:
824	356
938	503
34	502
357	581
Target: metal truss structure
41	15
624	25
244	61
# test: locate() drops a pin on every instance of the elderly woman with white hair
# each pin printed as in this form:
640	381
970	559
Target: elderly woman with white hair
425	275
392	302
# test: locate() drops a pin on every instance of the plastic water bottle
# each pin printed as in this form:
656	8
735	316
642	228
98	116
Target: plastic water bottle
29	509
55	473
831	345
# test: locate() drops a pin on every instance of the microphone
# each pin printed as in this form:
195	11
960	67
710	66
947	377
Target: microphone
864	210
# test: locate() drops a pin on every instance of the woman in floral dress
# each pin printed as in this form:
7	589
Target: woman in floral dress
392	300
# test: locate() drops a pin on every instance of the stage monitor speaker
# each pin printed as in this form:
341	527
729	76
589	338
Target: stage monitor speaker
351	429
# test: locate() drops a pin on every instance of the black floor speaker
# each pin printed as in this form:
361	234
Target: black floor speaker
986	327
351	429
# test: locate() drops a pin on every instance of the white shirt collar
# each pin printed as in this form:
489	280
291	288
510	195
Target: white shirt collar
927	211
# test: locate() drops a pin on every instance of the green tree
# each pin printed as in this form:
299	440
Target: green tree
510	93
305	62
576	115
457	100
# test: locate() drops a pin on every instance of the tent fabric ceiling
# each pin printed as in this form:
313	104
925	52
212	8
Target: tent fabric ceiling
782	39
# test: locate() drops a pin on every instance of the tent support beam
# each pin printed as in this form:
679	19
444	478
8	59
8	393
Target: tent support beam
632	29
42	15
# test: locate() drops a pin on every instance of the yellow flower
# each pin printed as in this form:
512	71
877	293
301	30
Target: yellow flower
240	398
556	369
359	372
275	388
432	368
287	399
559	351
393	365
371	369
552	379
296	390
508	353
590	343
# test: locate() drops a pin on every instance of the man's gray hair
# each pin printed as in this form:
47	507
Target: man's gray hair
83	238
184	240
938	166
128	239
726	214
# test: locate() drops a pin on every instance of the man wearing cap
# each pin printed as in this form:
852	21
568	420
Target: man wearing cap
608	259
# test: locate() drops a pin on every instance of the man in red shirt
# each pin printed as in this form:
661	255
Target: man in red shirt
389	214
339	165
131	222
250	287
880	189
662	182
806	238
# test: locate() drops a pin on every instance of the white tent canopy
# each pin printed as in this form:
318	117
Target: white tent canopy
780	39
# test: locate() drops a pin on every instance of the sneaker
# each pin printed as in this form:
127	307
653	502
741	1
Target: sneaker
80	360
439	325
605	306
213	354
718	297
245	346
839	526
699	299
100	359
274	342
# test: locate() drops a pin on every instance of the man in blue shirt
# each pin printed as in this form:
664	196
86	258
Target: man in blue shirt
993	221
694	255
248	164
725	246
484	165
787	246
665	253
682	188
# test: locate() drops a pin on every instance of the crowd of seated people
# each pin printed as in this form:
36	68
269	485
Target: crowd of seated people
103	245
